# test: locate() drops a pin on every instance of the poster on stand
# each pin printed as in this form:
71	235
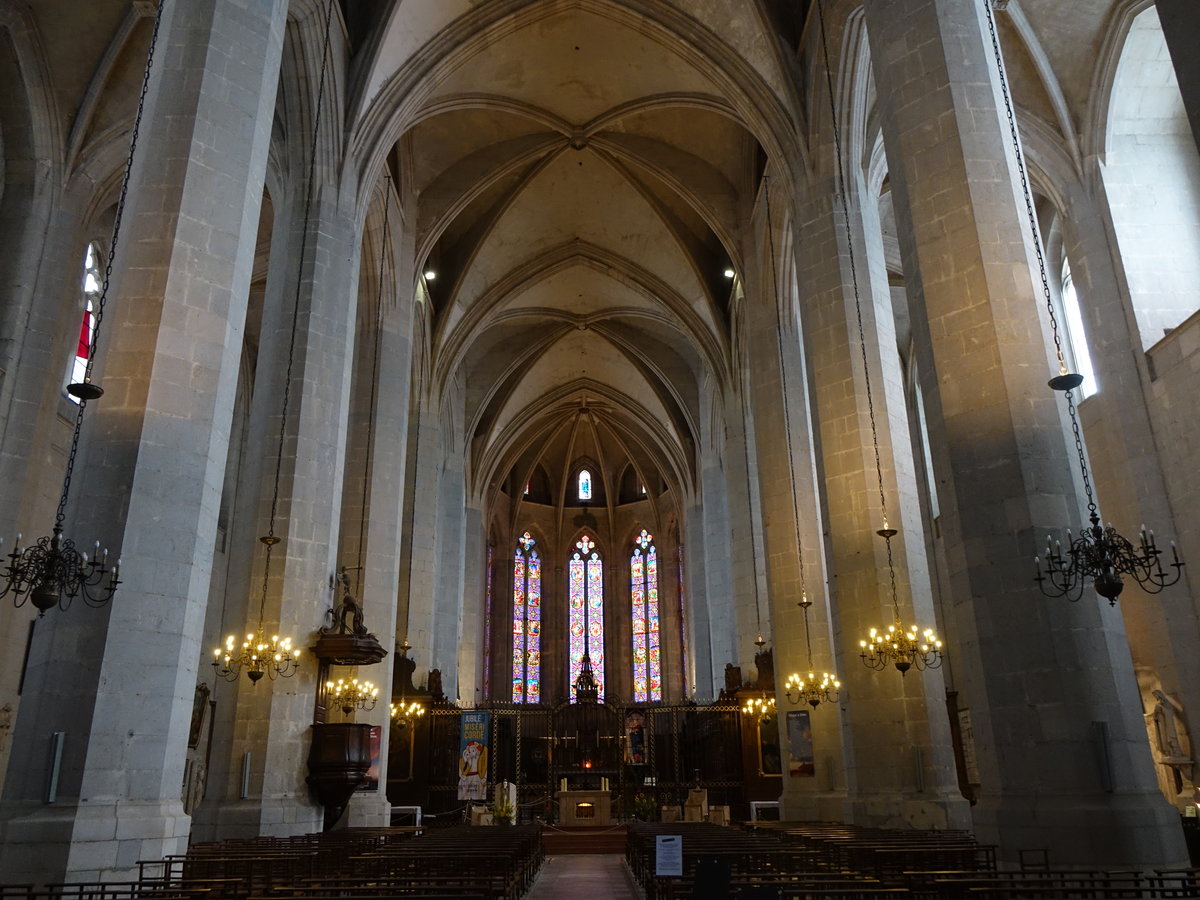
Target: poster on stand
473	755
800	746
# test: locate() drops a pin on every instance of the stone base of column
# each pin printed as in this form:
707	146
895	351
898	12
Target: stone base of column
92	842
814	806
1131	831
245	819
911	809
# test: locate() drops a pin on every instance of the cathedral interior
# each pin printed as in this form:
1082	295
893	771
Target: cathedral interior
687	346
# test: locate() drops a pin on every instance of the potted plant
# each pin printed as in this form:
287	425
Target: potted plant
502	812
645	807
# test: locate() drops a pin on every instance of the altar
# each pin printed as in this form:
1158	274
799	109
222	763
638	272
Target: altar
584	808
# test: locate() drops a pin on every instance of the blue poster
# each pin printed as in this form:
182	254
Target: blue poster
473	755
800	745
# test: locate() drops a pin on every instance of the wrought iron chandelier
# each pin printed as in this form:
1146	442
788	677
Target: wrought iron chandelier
903	646
52	572
810	690
283	659
761	707
405	713
1100	554
351	695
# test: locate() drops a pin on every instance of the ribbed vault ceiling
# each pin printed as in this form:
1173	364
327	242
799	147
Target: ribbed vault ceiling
581	189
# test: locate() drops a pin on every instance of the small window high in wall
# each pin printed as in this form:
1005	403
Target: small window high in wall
584	483
87	326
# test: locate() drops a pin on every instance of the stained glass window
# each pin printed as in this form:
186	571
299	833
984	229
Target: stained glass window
647	652
87	326
585	484
527	622
586	598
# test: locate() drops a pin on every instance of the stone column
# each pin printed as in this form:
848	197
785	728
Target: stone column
119	682
1061	744
698	624
272	719
786	470
422	588
899	761
718	594
1124	435
384	530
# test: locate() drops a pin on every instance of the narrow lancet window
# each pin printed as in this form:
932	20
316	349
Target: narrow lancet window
586	626
527	622
647	655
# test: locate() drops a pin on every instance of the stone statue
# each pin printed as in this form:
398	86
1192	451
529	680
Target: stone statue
435	685
1167	722
349	608
733	677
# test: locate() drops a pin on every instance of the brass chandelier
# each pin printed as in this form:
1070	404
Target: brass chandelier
351	695
1100	554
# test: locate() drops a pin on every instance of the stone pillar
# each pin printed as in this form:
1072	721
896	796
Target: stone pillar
1061	744
718	597
423	593
786	471
450	559
1132	481
271	720
699	665
384	527
899	762
119	682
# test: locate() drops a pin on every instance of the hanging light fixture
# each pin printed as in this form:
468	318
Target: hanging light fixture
760	707
810	690
405	712
52	572
351	695
1100	554
257	656
904	646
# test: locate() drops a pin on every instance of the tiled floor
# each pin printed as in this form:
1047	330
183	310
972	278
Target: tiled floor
580	876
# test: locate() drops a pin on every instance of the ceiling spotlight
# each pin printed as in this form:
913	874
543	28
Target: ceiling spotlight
430	274
729	273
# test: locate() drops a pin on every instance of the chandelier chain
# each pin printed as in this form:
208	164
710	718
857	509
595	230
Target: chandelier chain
844	192
787	419
1037	247
1028	195
270	540
1087	479
377	340
60	515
